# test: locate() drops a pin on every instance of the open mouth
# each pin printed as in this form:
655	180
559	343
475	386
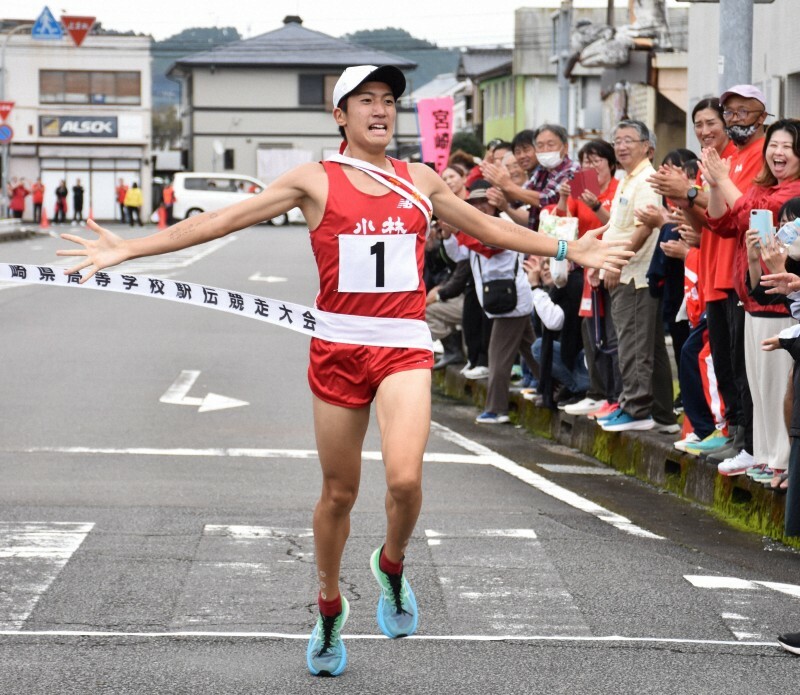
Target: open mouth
377	128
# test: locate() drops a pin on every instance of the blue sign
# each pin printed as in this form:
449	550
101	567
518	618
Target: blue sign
6	134
46	27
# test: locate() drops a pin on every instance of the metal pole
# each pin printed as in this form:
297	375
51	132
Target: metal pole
735	43
5	154
562	52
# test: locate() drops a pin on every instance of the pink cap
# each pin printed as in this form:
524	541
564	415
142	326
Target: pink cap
747	91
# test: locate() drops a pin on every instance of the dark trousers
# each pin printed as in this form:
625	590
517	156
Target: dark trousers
600	348
510	337
122	214
726	335
37	212
477	329
78	215
134	211
791	519
693	394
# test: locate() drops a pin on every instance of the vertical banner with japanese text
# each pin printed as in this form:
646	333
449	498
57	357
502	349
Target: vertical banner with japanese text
435	118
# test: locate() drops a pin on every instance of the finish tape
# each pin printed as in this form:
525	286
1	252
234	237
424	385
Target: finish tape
337	328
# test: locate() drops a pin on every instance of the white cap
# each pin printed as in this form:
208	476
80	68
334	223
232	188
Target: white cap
357	75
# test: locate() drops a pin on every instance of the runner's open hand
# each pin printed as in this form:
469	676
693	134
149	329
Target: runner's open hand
589	251
107	250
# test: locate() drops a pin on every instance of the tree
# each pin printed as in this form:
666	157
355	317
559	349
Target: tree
467	142
166	127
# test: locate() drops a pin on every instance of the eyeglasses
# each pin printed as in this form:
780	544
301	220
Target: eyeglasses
625	141
741	114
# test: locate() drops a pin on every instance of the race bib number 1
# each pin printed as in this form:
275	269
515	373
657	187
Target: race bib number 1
378	263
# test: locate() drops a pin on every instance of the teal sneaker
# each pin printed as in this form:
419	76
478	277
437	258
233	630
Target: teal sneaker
713	442
397	606
326	654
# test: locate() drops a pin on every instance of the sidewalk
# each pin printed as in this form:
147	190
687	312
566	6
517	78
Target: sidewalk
646	455
11	230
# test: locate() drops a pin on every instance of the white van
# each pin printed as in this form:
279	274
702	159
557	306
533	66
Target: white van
197	192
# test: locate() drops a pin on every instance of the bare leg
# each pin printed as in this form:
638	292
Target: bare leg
403	407
340	435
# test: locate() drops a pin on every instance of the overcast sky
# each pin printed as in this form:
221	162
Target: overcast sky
445	22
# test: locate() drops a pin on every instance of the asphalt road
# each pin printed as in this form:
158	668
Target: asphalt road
149	547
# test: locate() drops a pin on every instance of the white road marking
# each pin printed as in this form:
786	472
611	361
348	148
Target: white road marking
710	582
489	532
176	395
791	589
578	470
32	554
310	454
543	484
191	634
258	277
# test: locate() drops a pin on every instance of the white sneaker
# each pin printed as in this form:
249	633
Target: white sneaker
737	464
477	373
438	348
690	438
664	428
465	368
587	405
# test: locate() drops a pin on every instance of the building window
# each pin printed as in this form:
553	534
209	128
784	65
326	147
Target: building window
227	160
312	90
89	87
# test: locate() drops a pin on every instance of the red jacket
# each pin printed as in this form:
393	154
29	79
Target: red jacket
738	219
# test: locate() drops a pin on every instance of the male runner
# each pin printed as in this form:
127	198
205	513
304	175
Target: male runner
368	245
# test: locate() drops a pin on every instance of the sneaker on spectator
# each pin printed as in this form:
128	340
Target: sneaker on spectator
603	411
720	455
790	642
584	407
477	373
438	348
755	470
488	418
667	427
609	416
572	400
690	438
715	440
737	464
465	368
626	423
763	475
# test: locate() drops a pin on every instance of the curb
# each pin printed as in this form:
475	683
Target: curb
648	456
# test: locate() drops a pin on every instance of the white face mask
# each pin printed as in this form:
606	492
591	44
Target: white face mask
549	160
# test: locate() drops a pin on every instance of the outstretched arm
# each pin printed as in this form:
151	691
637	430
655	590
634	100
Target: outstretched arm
587	251
108	249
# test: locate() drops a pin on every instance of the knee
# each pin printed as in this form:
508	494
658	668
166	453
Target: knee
338	498
405	487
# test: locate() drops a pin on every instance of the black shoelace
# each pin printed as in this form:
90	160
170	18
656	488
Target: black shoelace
328	622
396	582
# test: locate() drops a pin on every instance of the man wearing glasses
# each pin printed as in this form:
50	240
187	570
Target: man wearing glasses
646	398
744	111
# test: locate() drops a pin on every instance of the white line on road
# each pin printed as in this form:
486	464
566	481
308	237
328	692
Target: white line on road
543	484
420	638
176	394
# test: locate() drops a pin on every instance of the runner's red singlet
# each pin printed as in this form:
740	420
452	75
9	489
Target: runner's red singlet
370	253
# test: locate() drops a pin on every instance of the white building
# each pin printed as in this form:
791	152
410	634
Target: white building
263	105
80	113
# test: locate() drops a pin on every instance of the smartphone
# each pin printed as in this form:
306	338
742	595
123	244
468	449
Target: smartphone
585	179
761	221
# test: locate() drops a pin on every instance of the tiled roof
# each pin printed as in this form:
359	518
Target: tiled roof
293	46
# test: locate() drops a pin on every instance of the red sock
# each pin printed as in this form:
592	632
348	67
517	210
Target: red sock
330	608
389	567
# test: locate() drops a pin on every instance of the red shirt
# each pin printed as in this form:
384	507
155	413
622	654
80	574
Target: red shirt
38	192
361	242
718	244
168	195
18	197
121	191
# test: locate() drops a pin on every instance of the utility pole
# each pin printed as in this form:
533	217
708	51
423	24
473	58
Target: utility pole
735	43
562	53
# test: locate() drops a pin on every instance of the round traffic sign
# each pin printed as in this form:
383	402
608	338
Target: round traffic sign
6	133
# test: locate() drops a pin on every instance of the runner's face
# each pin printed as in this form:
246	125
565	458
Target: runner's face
371	113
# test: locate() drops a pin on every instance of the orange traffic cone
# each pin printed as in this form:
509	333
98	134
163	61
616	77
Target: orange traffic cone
44	223
162	217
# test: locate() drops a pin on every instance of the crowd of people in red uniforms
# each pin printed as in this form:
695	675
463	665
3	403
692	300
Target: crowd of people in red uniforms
704	274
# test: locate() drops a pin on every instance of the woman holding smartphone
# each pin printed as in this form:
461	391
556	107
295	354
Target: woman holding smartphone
778	182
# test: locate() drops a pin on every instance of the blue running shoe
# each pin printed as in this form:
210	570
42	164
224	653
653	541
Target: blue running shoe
397	606
326	654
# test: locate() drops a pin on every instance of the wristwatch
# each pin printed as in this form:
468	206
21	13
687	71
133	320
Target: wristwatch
691	195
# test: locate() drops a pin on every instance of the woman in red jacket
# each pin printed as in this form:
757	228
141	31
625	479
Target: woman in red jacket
778	182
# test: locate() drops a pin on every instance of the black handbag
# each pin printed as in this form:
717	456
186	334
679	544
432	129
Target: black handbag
500	296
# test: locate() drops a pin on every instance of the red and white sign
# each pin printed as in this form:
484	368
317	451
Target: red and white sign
77	27
5	109
435	118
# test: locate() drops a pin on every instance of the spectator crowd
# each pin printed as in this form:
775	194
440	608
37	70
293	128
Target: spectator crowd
715	274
